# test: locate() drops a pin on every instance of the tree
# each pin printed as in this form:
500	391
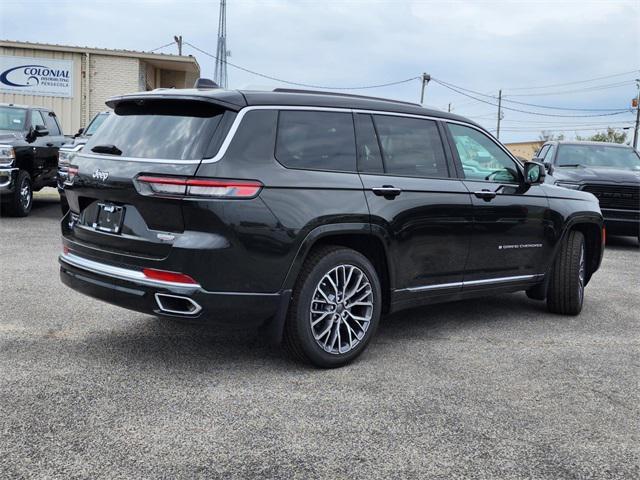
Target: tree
611	136
546	136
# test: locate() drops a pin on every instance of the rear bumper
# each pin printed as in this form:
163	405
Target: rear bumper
622	222
128	288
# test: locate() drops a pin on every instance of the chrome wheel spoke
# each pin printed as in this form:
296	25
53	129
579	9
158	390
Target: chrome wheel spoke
339	320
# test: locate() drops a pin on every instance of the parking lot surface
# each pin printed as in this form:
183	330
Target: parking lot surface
489	388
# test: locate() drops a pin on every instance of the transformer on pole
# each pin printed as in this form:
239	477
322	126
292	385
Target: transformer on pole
220	74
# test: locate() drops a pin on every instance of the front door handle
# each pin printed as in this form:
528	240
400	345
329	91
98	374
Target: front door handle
49	144
387	191
485	194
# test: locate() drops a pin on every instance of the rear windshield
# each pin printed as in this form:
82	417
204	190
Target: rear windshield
13	119
158	129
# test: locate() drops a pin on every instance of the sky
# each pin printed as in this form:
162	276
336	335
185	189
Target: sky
535	51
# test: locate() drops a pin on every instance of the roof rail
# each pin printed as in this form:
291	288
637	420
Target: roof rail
320	92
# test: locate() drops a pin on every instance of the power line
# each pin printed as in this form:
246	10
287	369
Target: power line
529	112
298	84
576	82
593	88
528	104
163	46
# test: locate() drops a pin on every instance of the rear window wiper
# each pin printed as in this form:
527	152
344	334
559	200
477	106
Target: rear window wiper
110	149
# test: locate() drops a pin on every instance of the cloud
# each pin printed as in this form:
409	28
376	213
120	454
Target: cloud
482	45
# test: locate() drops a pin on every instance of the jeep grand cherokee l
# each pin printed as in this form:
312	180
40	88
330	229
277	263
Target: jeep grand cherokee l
311	214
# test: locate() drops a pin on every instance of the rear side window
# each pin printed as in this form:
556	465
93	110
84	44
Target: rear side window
50	121
316	140
159	129
411	147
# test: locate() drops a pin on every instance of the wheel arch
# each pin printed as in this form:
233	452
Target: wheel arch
592	228
363	238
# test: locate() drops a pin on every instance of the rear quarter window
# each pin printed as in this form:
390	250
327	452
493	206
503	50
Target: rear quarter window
316	140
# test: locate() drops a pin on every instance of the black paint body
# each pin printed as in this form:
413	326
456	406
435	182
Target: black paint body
246	254
36	155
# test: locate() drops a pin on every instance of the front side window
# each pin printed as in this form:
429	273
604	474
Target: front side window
548	156
51	123
95	123
543	151
481	157
411	147
316	140
159	129
13	119
36	119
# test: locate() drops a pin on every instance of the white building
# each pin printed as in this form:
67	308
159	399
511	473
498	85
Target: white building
76	81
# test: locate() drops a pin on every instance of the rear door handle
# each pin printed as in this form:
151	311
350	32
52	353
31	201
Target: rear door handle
49	144
387	191
485	194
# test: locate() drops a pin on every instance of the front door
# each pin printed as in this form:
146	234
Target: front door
511	221
424	211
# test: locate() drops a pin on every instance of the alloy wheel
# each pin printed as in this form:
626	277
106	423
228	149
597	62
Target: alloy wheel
341	309
25	194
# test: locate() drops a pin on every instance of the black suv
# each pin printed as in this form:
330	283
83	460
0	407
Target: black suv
29	142
312	214
608	170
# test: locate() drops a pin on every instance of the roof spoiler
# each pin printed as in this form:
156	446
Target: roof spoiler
205	83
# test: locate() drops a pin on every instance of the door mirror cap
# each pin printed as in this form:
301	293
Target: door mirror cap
534	173
40	131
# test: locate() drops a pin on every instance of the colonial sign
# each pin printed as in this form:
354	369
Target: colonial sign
36	76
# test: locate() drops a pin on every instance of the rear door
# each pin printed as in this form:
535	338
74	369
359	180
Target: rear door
510	229
413	196
113	212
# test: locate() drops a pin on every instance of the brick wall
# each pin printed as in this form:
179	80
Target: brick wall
110	76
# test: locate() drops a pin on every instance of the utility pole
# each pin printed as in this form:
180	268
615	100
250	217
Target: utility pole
635	132
499	113
220	73
425	80
178	40
449	109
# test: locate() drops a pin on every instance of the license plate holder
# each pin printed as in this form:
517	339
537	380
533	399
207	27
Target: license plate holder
109	218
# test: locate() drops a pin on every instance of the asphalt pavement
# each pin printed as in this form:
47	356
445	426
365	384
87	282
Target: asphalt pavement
490	388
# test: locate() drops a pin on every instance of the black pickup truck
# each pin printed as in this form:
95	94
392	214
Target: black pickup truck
29	141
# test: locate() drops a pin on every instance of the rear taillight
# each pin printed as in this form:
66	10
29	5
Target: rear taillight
166	276
197	187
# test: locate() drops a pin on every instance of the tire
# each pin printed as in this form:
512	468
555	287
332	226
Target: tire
20	202
318	307
566	285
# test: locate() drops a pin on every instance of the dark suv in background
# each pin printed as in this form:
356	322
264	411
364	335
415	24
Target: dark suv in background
609	171
29	142
311	214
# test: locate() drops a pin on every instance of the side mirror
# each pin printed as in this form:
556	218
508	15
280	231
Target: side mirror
80	132
534	173
41	131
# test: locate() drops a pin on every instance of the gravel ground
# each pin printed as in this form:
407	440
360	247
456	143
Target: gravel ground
489	388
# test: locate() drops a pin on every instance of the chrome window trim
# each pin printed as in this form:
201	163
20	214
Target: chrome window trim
118	272
243	111
471	283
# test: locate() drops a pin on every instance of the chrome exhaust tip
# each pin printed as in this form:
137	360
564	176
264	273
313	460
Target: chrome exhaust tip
177	304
